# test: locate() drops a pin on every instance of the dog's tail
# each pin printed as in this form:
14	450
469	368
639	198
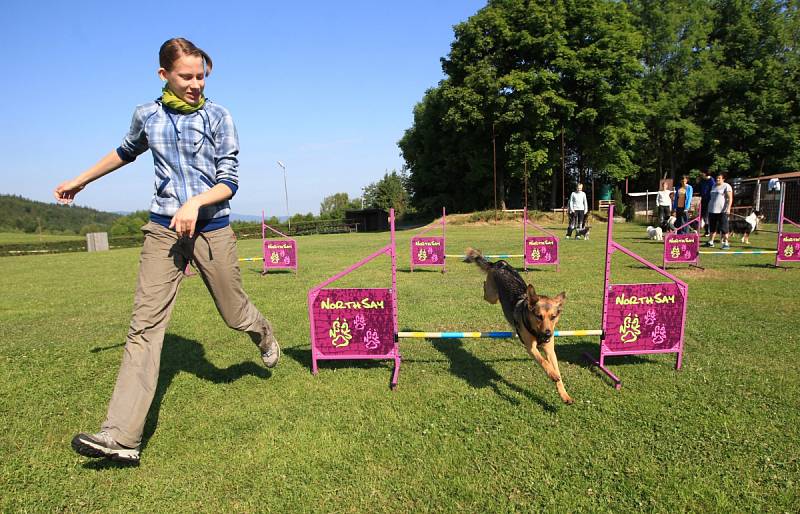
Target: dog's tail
473	255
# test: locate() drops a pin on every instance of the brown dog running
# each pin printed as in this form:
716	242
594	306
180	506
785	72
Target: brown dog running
533	317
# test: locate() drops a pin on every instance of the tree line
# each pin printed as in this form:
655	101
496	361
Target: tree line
18	214
605	90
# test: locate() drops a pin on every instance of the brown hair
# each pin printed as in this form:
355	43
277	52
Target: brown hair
175	48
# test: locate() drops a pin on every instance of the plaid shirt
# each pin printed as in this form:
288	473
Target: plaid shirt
191	152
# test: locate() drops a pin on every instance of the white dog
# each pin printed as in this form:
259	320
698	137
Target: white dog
655	233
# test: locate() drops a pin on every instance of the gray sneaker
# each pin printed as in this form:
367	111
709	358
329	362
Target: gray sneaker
270	351
102	444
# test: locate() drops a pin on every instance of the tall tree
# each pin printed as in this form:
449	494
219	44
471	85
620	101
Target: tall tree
679	69
752	118
517	71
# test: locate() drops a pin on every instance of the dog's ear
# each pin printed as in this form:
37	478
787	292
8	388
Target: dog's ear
561	297
531	296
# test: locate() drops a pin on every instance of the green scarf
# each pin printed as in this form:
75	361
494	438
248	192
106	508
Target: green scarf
172	101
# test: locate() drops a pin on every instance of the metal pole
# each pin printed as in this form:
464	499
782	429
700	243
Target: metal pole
286	195
563	180
525	172
494	168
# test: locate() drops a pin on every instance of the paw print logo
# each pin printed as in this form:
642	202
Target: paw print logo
536	254
371	340
340	333
675	252
629	329
422	255
359	322
788	251
650	318
434	257
274	258
659	334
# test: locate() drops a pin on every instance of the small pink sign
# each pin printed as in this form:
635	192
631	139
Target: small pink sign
681	248
642	318
280	254
427	251
541	250
789	247
353	322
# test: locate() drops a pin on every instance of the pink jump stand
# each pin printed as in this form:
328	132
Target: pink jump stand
278	253
640	318
429	251
788	249
538	250
683	248
356	323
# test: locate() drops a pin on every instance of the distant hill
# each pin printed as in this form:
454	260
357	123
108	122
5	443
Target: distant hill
244	217
18	214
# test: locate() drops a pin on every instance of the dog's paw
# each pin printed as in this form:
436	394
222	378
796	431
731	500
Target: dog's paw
568	399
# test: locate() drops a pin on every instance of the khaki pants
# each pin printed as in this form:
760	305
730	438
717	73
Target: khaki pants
163	259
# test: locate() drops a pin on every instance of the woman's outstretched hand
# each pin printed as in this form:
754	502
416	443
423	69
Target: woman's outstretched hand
65	192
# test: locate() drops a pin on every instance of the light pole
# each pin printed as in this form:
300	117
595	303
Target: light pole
286	195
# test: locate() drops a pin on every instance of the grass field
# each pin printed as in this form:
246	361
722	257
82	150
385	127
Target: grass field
474	426
21	237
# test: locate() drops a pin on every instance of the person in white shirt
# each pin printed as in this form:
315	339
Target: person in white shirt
664	204
578	207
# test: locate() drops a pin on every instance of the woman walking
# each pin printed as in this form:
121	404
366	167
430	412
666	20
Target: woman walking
195	152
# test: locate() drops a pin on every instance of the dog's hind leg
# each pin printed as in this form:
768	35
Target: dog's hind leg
549	349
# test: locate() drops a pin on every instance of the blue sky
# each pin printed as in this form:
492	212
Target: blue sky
326	87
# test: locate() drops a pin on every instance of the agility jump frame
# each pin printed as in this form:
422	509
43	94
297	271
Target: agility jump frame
538	250
683	248
356	323
431	250
278	253
788	249
640	318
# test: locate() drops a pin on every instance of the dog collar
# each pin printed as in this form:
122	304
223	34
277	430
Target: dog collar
539	336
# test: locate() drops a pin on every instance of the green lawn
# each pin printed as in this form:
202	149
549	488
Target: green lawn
22	237
474	426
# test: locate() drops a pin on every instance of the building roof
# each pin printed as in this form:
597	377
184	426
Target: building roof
780	176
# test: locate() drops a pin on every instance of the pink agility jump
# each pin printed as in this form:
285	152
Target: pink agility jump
356	323
538	250
788	249
278	253
430	250
640	318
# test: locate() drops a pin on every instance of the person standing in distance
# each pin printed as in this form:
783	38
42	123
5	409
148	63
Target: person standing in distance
195	152
706	184
578	207
664	204
681	201
719	211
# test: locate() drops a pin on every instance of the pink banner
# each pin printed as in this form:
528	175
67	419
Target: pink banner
427	251
681	248
642	318
541	250
353	322
280	254
789	247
